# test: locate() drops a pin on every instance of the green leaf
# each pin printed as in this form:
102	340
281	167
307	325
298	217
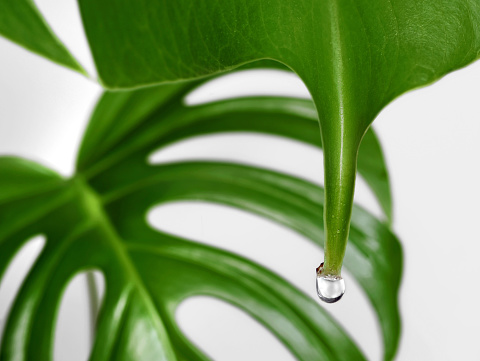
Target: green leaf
128	122
127	127
373	256
96	220
354	56
147	275
373	50
22	23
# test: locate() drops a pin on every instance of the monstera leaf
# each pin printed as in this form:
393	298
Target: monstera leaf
354	56
97	220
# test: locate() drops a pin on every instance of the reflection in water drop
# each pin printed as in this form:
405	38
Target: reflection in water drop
330	288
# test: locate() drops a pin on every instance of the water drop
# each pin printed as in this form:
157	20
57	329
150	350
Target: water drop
330	288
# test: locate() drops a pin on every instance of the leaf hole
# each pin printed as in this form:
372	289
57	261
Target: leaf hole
256	238
249	83
78	312
261	150
206	320
15	274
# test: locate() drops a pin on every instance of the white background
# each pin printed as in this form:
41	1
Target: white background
431	142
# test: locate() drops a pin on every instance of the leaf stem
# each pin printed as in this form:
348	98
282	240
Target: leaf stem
340	159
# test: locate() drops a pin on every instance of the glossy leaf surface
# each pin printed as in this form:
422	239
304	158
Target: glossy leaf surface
96	220
354	56
22	23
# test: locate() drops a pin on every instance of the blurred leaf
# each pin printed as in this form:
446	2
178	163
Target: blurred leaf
22	23
374	256
96	220
147	275
128	122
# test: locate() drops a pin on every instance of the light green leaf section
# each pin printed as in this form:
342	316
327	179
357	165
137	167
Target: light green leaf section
354	56
97	220
22	23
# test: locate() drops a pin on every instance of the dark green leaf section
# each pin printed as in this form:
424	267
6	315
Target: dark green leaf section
373	50
96	220
373	256
138	121
127	127
354	56
372	167
22	23
147	275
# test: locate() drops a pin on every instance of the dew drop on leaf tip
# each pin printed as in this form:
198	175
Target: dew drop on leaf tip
330	288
